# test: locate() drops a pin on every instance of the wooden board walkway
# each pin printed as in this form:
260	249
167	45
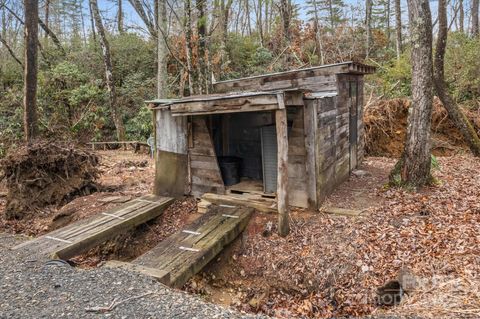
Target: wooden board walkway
260	202
185	253
83	235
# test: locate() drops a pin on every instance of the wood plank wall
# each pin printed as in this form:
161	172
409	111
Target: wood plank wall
325	146
315	82
297	179
205	176
332	147
361	127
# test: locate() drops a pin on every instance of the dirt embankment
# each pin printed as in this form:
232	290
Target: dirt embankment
386	123
46	173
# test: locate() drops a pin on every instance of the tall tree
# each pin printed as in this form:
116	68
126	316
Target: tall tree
398	28
461	17
10	50
92	23
414	166
109	79
47	16
286	12
30	70
455	113
189	44
475	26
368	26
162	50
202	47
143	10
318	36
120	17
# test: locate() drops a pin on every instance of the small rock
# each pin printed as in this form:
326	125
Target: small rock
360	173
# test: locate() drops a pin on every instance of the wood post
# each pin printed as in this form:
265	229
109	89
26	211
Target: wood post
310	122
282	162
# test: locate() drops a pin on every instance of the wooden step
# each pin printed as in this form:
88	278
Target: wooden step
79	237
261	203
185	253
342	211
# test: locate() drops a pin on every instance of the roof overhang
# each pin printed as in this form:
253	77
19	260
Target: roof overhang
229	102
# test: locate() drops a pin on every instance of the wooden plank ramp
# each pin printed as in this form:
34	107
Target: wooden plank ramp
80	236
262	203
185	253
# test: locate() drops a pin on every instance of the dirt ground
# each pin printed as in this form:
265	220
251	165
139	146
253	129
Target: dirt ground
329	265
332	265
123	175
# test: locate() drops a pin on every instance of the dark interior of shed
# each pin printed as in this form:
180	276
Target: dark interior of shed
237	138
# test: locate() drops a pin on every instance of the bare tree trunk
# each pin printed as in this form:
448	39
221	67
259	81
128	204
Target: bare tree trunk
30	71
330	10
92	23
162	74
47	13
387	13
266	29
455	113
461	17
202	47
260	20
318	35
398	27
475	26
52	35
247	12
414	166
45	28
188	44
109	79
225	6
120	17
368	24
84	31
139	9
10	50
286	13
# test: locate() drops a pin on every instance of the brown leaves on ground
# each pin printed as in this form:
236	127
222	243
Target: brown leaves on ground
332	266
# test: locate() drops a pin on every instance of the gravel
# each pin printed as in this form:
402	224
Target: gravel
31	289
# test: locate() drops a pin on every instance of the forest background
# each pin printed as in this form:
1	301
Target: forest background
208	40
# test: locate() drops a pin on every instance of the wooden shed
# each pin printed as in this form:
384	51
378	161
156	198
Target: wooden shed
290	136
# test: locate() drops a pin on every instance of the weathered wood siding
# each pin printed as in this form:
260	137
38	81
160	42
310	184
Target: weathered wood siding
332	146
332	136
361	127
344	81
297	175
205	176
325	148
319	81
315	79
